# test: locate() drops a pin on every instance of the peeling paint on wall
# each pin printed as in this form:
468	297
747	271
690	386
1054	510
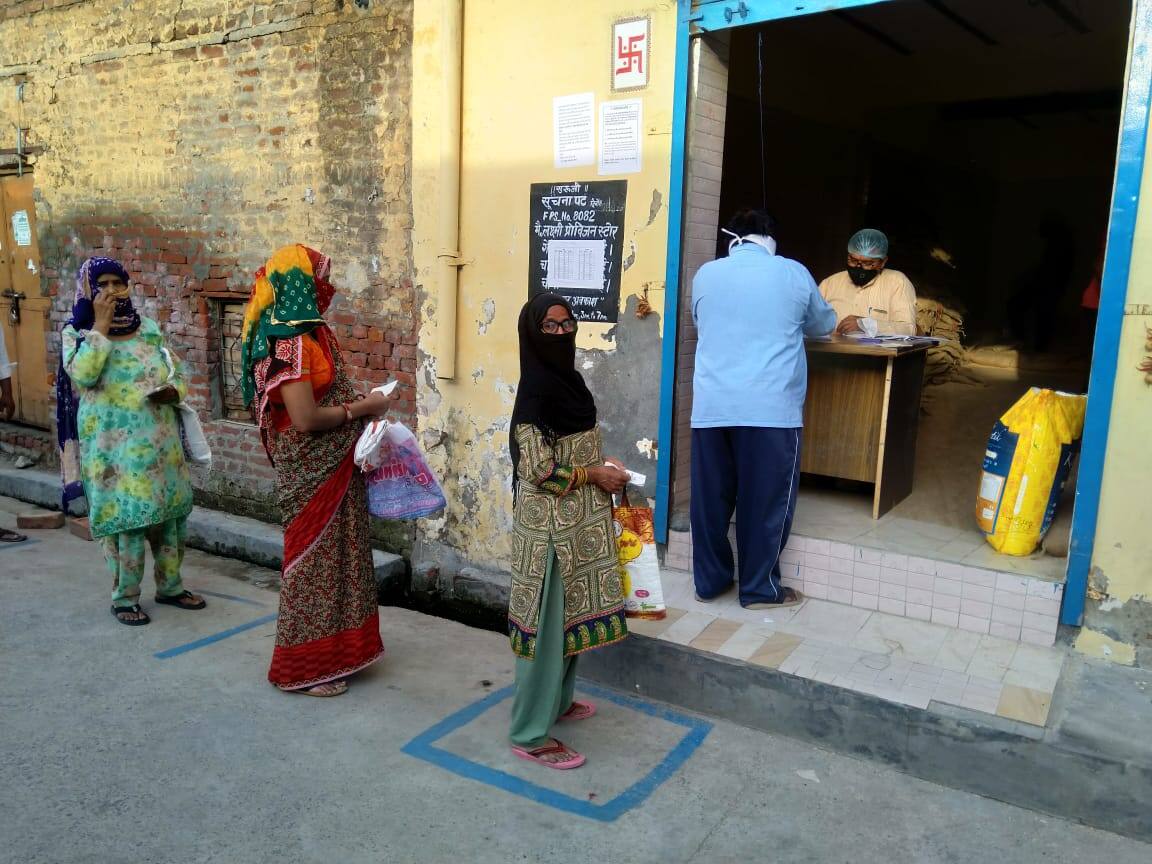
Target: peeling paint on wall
487	316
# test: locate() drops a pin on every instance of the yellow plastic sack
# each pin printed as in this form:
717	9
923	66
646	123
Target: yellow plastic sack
1026	465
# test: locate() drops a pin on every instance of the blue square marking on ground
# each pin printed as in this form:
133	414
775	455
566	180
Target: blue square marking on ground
423	746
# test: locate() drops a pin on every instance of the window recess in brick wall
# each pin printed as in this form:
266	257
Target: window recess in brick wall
228	397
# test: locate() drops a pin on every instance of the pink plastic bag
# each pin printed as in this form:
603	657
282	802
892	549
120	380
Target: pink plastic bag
402	486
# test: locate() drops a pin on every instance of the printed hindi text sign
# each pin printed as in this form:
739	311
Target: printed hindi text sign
573	128
620	136
630	45
577	246
576	264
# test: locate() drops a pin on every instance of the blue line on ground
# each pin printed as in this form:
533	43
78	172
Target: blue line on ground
227	597
215	637
423	746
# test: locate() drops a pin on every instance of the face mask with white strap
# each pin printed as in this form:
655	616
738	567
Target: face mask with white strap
764	242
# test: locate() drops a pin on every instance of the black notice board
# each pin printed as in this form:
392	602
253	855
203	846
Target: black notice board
588	213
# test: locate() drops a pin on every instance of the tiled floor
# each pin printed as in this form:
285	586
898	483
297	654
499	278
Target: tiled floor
894	658
846	517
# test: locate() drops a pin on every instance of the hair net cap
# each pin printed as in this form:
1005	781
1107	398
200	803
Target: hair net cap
868	243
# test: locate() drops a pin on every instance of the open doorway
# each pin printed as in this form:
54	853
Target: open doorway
981	137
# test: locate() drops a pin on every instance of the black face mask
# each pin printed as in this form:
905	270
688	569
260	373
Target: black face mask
861	277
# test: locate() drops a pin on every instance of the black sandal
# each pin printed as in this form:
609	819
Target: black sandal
175	600
117	611
8	536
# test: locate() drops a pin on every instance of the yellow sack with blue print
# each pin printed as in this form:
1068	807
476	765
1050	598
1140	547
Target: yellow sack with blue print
1026	465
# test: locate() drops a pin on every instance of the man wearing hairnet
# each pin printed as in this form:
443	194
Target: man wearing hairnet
869	298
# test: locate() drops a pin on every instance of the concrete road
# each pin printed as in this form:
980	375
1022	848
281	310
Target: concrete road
166	744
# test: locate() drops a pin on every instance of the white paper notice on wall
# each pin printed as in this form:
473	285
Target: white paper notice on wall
576	264
21	228
573	128
620	136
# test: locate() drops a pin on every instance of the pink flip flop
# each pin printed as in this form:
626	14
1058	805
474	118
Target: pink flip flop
579	711
575	760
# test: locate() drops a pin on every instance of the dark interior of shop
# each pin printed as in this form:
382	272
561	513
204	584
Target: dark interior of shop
980	135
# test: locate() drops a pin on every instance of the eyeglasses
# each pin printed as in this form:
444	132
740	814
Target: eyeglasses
866	263
551	325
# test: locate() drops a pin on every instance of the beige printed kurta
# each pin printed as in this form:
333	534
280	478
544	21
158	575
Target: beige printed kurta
577	524
889	299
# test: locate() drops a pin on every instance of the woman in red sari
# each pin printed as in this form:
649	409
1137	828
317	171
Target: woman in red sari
310	417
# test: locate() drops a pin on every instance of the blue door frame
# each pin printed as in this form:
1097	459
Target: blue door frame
706	16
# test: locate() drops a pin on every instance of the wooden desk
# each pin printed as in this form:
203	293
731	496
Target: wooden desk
862	414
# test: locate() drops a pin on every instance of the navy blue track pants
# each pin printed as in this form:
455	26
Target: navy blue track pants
752	471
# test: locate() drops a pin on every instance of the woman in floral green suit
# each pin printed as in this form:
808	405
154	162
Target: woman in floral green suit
120	438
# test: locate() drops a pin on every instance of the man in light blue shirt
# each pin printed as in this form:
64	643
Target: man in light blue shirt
752	311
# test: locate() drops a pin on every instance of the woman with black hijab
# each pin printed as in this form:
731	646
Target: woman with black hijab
567	595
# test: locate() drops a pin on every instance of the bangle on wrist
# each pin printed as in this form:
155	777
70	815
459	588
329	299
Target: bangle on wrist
347	413
579	477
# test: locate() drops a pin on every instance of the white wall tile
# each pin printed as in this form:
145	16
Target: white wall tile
818	590
921	580
1040	588
977	592
1011	583
840	595
1009	600
866	555
924	566
918	611
894	576
975	608
866	571
947	602
893	592
1003	615
891	606
973	624
980	576
1004	631
919	595
842	550
840	580
841	565
792	556
948	619
1036	621
947	586
813	559
1042	605
819	547
865	586
948	570
812	574
864	601
894	560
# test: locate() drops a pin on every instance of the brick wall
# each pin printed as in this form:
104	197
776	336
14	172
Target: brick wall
706	115
192	140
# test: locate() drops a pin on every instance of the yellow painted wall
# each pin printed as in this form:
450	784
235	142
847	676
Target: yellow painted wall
517	57
1123	549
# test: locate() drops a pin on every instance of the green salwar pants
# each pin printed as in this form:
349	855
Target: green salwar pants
544	685
124	555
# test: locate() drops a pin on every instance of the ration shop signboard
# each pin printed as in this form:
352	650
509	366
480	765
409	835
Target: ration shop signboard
577	246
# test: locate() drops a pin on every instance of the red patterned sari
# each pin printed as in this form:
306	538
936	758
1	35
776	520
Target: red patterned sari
329	624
